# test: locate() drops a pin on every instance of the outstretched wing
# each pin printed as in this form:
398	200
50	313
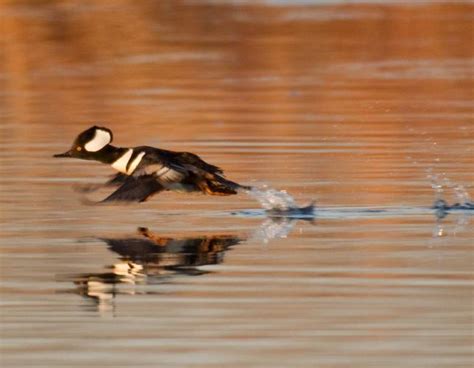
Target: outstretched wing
153	170
135	189
188	158
115	181
166	173
162	165
153	174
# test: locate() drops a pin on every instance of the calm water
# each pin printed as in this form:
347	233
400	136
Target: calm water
367	109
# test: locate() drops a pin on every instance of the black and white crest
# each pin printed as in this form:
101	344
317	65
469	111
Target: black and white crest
96	138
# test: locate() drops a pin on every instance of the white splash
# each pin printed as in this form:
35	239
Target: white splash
272	199
440	181
461	194
273	229
436	184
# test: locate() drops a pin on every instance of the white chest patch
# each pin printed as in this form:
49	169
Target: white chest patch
100	140
121	163
135	163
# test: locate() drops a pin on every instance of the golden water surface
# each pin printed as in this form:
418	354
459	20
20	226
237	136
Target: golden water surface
361	107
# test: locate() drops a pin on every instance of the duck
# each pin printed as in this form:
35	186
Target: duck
145	171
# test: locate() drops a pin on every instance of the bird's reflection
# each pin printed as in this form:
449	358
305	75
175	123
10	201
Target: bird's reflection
150	259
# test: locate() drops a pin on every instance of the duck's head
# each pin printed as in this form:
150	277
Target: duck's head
89	143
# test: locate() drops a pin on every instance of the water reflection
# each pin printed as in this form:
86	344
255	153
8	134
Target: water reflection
463	212
150	259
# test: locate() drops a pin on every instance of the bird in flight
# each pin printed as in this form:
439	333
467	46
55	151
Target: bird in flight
144	171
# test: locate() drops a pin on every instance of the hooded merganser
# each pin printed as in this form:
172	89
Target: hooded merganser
144	171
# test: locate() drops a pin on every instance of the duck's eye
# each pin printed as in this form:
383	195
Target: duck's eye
78	148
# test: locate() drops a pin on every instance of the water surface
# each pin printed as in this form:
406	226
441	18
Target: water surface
365	108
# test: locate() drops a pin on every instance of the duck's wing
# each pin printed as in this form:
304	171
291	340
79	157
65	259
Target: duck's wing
114	181
188	158
182	167
163	167
154	172
135	189
117	179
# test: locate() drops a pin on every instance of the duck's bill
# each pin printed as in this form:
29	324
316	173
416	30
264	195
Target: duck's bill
65	154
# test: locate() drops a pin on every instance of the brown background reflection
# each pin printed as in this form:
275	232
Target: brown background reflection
174	70
352	105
